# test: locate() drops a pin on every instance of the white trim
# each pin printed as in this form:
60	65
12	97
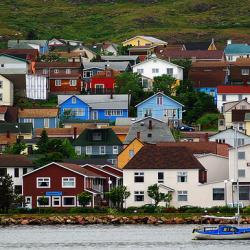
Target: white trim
100	150
106	165
112	174
88	152
52	201
42	178
44	123
68	197
37	204
69	186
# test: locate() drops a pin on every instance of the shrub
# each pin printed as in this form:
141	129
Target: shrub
246	210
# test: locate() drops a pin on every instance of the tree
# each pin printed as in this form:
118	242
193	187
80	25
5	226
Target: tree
43	142
84	198
68	149
123	50
165	83
15	148
48	158
168	199
118	195
6	193
154	193
50	57
32	35
186	64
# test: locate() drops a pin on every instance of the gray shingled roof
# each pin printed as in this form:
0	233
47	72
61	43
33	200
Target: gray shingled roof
13	43
100	101
119	58
160	132
120	66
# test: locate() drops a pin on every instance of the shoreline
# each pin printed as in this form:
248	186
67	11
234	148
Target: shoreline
161	219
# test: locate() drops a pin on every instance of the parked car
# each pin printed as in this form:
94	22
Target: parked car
184	127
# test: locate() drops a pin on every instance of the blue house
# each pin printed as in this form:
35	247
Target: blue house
93	107
39	117
212	91
41	45
161	107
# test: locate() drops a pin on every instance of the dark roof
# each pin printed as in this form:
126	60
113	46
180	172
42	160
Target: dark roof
11	114
57	65
108	137
7	160
158	157
91	161
238	115
197	45
16	128
18	80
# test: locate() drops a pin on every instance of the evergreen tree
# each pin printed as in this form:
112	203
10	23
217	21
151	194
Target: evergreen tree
6	193
42	144
118	195
166	84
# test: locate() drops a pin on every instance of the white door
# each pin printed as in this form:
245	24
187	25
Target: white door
28	202
94	115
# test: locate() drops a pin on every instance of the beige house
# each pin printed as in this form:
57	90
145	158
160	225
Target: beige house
6	92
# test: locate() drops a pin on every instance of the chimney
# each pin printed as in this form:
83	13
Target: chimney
106	66
229	42
206	137
150	124
75	133
138	135
246	99
111	94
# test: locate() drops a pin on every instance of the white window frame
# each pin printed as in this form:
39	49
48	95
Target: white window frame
170	69
182	193
73	82
68	71
139	174
241	171
37	203
155	70
140	193
68	197
56	71
37	181
45	71
243	153
115	150
100	151
182	174
131	153
58	83
73	100
63	179
160	180
53	199
140	71
99	86
1	96
86	72
113	112
78	150
1	84
46	122
244	72
159	100
26	200
88	150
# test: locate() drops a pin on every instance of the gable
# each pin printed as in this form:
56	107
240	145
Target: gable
11	59
79	102
229	133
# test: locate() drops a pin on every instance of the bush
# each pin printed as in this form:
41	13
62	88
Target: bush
191	209
246	210
170	210
79	210
222	209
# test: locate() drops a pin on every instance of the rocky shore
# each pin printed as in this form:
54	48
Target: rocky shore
111	220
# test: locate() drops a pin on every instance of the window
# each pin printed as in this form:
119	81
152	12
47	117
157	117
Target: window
244	193
73	100
243	107
139	176
221	122
46	122
140	71
241	141
147	112
115	112
241	126
16	172
159	100
244	72
241	173
1	84
182	195
56	71
170	113
25	170
139	195
74	112
149	135
68	71
3	172
87	74
182	177
224	98
45	71
58	83
115	150
69	201
88	150
102	150
56	201
43	201
239	97
218	194
170	71
155	71
73	82
97	136
1	96
18	189
145	83
160	177
2	65
230	58
43	182
241	155
131	153
78	150
68	182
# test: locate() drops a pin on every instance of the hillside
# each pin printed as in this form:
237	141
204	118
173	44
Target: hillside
100	20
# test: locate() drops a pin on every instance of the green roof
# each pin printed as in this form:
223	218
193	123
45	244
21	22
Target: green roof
108	137
16	128
237	48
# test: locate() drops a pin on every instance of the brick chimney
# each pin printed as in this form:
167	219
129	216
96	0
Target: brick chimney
150	124
206	137
138	135
75	133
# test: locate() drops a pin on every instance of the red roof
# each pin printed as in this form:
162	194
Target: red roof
57	65
229	89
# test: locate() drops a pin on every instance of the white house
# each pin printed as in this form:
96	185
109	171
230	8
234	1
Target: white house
157	67
6	92
37	87
231	93
228	136
237	50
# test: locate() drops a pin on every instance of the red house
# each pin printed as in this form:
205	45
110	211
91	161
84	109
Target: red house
103	82
61	183
64	77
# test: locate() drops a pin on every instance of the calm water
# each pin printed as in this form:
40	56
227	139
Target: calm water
108	237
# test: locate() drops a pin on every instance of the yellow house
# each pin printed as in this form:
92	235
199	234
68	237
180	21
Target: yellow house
247	123
128	152
143	41
6	91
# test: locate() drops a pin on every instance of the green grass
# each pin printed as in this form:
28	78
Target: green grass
166	19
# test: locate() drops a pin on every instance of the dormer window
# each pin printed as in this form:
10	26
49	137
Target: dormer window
97	136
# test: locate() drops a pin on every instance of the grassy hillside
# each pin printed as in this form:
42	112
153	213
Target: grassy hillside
117	20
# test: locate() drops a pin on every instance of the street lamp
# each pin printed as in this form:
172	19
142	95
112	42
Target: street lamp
225	182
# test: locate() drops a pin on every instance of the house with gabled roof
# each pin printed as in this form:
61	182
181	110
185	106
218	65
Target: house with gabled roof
6	91
98	143
162	107
233	51
201	45
41	45
142	41
93	107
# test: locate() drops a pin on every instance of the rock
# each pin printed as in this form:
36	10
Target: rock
24	222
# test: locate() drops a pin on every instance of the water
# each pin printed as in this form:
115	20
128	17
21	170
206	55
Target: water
108	237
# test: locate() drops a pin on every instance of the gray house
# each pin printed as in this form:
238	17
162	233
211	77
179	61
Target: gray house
98	143
149	130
